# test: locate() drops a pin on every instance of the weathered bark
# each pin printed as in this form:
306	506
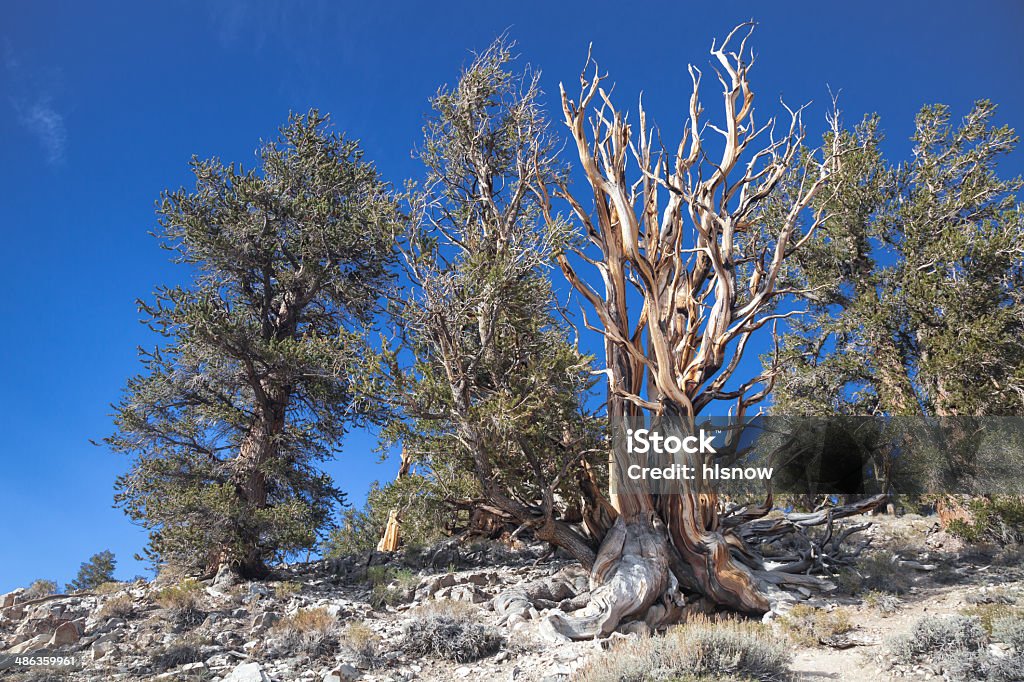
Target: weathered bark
636	573
687	340
630	577
272	396
258	449
389	541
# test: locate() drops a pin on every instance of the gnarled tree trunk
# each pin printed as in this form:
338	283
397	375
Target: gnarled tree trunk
703	244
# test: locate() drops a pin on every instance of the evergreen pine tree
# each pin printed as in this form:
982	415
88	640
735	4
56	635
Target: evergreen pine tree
256	380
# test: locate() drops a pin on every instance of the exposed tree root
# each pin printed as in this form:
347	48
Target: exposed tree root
568	587
630	579
636	577
796	552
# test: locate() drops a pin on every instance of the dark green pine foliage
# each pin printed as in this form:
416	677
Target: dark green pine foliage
917	303
97	570
256	380
493	402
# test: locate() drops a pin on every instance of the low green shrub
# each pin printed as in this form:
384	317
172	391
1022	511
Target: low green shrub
390	586
999	519
183	602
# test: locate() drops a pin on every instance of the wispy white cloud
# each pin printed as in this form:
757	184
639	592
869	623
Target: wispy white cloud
34	108
46	124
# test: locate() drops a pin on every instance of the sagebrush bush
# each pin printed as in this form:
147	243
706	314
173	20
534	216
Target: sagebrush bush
876	572
810	626
453	637
181	652
980	666
958	645
933	634
1005	669
1009	629
695	651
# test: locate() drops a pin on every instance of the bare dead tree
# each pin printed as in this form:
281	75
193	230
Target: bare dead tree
704	240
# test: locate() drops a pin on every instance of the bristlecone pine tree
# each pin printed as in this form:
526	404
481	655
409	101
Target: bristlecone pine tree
917	276
496	390
692	246
254	384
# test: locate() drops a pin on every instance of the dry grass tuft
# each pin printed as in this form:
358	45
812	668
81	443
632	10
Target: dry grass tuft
310	631
120	606
183	602
110	587
287	589
809	626
363	643
306	620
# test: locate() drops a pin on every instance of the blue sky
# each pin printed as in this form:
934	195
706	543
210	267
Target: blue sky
102	105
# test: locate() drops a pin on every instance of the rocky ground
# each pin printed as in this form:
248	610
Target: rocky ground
475	614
